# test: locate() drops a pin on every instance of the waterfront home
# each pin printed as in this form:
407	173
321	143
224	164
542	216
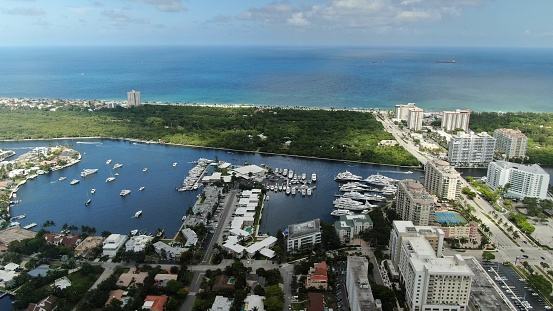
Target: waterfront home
46	304
112	244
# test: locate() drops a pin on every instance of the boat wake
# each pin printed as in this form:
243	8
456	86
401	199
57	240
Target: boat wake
89	142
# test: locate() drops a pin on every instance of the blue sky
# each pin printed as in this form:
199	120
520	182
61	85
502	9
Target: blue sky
501	23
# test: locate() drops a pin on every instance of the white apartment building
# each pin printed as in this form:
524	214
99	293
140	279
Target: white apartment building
414	203
112	243
133	98
458	119
524	180
402	229
360	296
305	234
442	180
402	111
350	226
469	149
414	118
511	143
432	283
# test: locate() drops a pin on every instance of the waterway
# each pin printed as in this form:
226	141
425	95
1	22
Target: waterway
47	198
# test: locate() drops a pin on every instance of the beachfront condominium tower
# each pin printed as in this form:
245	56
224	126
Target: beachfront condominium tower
457	119
133	98
402	111
524	180
414	118
469	149
511	143
414	203
442	180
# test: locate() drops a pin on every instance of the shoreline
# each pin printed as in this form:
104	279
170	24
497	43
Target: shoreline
134	140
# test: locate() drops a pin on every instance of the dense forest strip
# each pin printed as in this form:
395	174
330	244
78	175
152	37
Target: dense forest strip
538	127
341	135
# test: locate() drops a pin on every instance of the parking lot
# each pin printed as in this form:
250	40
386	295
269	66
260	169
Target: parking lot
341	295
514	287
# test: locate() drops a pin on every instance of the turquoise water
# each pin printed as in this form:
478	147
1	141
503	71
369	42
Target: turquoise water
482	79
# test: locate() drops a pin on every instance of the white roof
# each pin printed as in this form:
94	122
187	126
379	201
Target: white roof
190	235
11	266
239	232
254	301
237	248
260	245
269	253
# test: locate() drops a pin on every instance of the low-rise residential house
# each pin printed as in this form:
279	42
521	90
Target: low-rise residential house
46	304
317	276
69	241
112	244
221	303
168	250
161	279
132	277
155	303
118	294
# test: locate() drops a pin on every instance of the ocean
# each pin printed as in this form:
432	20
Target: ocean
482	79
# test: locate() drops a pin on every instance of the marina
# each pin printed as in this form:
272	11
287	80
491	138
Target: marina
44	200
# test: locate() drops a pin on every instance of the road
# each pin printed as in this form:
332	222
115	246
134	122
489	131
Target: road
223	222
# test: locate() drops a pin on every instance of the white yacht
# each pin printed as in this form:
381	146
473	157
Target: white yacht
124	192
174	164
340	212
313	177
303	176
93	191
309	191
88	171
134	232
347	176
117	165
290	174
109	179
285	172
293	191
141	188
88	202
380	180
108	161
62	178
137	214
145	169
74	182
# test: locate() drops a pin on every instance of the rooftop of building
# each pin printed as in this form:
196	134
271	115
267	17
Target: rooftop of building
423	258
510	132
358	268
304	228
534	168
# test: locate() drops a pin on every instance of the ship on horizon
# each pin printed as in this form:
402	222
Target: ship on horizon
446	61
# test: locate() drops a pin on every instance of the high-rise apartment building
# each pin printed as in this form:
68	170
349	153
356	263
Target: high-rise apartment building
469	149
524	180
458	119
414	118
442	180
402	111
360	296
511	143
133	98
403	228
433	283
414	203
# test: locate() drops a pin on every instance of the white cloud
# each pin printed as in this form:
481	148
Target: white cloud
165	5
121	18
297	19
370	15
26	11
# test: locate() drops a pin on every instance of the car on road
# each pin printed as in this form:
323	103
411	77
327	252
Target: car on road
522	250
543	258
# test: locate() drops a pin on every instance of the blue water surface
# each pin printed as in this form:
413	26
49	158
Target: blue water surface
482	79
